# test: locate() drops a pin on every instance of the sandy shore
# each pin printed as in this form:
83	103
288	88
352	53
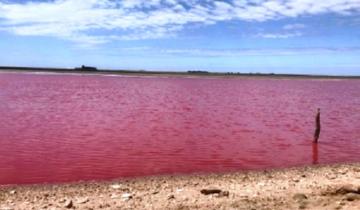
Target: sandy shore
320	187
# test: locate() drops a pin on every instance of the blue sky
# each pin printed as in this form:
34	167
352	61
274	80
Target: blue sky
284	36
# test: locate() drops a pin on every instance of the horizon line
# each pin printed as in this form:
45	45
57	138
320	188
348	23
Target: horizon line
91	69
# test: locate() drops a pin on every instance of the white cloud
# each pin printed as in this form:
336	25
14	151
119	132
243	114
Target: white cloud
294	26
279	35
100	21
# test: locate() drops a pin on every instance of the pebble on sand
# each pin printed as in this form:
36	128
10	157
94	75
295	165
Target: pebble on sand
82	200
352	196
347	189
300	196
114	196
127	196
115	186
210	191
68	204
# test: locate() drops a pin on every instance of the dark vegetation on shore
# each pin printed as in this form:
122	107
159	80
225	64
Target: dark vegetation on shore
89	69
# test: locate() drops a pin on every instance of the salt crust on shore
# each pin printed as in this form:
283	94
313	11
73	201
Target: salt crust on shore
317	187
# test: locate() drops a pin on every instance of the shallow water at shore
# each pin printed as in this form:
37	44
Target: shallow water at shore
58	128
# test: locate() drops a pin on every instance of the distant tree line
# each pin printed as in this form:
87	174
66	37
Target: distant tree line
198	72
86	68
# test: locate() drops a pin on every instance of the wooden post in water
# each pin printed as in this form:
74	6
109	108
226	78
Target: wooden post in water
318	126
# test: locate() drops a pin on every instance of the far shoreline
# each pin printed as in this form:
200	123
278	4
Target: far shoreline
191	74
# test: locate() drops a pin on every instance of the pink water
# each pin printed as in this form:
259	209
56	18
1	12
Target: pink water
59	128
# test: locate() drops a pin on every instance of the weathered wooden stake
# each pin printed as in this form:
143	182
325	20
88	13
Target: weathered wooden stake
318	126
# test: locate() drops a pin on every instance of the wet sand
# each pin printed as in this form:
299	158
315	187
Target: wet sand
316	187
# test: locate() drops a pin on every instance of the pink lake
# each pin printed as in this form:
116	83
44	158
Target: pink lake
64	128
